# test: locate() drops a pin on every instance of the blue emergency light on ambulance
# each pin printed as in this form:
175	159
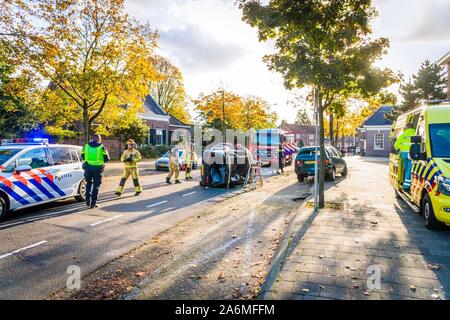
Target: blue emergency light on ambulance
33	172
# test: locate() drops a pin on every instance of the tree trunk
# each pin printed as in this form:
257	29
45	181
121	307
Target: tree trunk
336	135
322	157
332	128
86	126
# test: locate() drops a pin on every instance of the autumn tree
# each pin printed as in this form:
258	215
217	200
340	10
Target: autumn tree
17	118
220	109
256	114
323	45
95	57
303	117
168	89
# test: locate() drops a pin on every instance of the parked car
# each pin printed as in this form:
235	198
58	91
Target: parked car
162	163
33	172
334	162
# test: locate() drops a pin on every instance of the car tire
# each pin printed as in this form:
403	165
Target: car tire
345	171
300	178
81	191
332	175
428	214
3	208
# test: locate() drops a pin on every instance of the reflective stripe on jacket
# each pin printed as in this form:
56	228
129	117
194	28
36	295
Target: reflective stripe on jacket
403	142
133	155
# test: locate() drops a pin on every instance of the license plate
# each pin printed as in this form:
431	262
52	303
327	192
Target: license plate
310	162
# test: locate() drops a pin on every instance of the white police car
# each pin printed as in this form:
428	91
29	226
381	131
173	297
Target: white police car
33	172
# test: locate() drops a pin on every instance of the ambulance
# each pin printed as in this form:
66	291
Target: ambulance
33	172
429	193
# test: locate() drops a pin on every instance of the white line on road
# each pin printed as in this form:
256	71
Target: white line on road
22	249
188	194
106	220
156	204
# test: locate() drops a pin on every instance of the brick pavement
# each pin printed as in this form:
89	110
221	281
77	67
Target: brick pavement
330	252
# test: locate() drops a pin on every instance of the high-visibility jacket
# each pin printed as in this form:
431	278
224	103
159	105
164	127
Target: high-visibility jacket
94	156
191	157
403	143
133	155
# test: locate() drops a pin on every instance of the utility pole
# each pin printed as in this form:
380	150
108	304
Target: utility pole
316	142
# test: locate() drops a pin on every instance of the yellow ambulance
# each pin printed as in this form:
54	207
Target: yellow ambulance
429	193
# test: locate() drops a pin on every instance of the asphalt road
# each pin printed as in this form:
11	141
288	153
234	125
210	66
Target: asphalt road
38	245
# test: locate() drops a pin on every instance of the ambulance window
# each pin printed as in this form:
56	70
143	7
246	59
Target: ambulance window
61	155
36	158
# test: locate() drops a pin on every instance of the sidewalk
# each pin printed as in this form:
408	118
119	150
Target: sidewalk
333	254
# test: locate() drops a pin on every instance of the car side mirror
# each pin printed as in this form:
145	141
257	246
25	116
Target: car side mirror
23	168
415	152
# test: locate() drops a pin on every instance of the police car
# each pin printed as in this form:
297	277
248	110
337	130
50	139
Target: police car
33	172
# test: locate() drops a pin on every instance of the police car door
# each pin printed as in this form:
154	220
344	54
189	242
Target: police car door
67	169
35	185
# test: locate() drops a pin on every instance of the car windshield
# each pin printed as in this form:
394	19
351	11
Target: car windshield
6	154
440	140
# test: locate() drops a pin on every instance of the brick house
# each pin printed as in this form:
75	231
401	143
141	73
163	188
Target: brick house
445	61
374	134
162	125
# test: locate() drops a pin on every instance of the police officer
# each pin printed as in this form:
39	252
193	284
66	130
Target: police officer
94	155
191	157
130	158
174	162
280	159
403	145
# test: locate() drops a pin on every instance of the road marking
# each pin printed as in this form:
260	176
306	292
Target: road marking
22	249
156	204
106	220
188	194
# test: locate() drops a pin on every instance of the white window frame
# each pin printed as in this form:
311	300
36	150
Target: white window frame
159	133
376	136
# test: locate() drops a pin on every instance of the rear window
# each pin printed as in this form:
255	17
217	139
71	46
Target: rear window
6	154
309	152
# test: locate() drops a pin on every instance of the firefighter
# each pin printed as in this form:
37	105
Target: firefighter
403	145
174	162
94	155
191	158
130	158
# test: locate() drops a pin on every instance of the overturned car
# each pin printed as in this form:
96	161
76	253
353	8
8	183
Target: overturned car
224	166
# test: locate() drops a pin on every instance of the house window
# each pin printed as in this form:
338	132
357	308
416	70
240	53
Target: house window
378	139
158	137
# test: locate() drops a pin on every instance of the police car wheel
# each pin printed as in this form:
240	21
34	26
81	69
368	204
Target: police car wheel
344	172
3	208
81	191
428	214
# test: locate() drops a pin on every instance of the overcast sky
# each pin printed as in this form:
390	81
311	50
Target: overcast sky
211	45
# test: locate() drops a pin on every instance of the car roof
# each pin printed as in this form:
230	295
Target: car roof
33	146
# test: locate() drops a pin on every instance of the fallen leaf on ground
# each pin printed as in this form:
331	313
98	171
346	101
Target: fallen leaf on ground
221	276
434	266
305	290
140	273
413	288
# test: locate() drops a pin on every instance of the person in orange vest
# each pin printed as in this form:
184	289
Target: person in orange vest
130	158
94	155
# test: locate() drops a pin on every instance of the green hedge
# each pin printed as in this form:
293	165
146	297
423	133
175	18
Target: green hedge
153	152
